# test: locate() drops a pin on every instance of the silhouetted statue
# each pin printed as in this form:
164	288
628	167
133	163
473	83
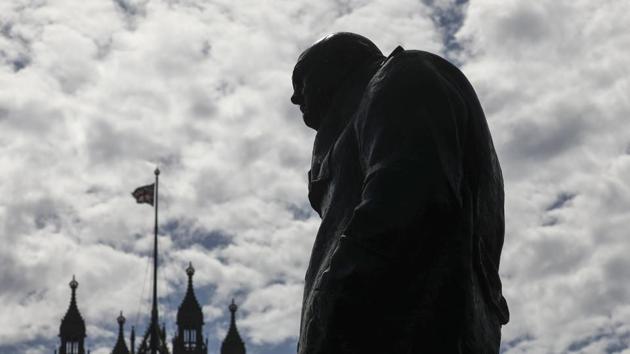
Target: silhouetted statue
406	180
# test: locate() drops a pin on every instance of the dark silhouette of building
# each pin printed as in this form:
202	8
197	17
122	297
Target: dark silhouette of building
72	329
154	333
233	344
189	336
121	346
188	339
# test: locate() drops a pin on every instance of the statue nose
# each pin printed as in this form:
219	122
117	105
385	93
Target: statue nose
295	99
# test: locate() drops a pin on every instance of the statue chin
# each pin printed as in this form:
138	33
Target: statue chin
310	120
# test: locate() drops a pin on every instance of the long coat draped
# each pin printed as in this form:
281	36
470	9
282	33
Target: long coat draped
410	193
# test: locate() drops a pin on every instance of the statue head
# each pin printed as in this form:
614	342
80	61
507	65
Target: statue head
324	67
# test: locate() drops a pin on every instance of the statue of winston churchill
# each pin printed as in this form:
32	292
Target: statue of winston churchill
409	189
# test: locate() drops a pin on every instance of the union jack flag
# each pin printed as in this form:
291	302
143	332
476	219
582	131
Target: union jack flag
144	194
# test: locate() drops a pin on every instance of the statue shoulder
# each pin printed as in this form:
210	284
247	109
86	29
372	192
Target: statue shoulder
412	67
411	90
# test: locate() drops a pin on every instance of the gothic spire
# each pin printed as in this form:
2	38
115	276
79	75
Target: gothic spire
189	337
233	344
121	346
72	328
189	314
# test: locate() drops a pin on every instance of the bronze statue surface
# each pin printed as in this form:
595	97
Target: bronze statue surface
408	185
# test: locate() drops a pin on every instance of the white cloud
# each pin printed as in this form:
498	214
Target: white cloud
550	76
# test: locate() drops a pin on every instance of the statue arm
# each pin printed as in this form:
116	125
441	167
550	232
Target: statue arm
409	131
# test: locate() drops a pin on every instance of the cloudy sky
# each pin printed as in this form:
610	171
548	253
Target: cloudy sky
94	94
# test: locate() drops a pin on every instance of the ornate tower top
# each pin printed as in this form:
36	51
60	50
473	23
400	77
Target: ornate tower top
121	346
74	284
189	338
190	271
233	344
121	319
189	314
72	326
233	308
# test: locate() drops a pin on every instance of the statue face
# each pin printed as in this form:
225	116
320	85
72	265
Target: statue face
321	70
313	98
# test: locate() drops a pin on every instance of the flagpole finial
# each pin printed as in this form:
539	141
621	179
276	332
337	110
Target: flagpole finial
157	171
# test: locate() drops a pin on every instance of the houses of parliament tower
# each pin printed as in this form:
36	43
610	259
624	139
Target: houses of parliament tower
188	339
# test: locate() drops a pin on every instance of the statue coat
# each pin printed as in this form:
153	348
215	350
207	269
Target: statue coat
409	188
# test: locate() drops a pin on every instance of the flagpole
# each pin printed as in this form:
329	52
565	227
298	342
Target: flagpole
154	311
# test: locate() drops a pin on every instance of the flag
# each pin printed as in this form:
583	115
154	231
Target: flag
144	194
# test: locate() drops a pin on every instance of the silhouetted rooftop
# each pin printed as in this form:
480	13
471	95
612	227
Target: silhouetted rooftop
233	344
189	313
72	326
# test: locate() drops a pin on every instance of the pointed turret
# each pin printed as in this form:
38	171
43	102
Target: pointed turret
233	344
121	346
189	336
189	313
72	328
132	339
